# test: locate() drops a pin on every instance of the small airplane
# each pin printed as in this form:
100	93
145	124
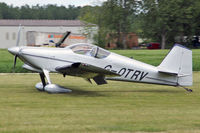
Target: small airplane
92	62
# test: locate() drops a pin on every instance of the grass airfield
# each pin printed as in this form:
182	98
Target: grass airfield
116	107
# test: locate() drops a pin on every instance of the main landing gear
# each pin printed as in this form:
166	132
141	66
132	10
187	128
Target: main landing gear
49	87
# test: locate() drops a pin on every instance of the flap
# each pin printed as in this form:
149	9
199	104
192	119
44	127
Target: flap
100	80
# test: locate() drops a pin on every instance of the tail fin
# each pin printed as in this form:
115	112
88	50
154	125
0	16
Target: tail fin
178	62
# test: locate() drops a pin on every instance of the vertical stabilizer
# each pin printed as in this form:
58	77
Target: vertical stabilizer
178	62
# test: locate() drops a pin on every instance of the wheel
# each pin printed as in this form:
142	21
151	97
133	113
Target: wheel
190	90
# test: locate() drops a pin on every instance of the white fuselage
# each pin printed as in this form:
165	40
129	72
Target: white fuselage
129	69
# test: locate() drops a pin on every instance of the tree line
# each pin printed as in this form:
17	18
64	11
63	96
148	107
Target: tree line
39	12
163	21
154	20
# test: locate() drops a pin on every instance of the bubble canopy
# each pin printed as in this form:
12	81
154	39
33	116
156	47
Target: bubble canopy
89	50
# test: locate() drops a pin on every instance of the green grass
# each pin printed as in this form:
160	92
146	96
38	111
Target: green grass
116	107
153	57
6	62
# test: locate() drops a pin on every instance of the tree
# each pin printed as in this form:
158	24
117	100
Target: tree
164	19
8	12
94	15
118	16
114	17
39	12
26	12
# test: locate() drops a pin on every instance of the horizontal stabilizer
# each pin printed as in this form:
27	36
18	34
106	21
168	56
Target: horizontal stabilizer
161	70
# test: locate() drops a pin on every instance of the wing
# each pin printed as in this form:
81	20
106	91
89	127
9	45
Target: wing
87	71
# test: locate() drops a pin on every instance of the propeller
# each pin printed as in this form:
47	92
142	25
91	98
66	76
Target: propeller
65	35
17	44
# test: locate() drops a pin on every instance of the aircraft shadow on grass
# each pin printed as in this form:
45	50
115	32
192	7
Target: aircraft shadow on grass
99	93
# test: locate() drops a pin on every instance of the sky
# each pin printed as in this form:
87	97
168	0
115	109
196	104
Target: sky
58	2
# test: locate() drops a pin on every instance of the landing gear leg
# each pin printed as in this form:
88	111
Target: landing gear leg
41	86
42	77
52	88
46	74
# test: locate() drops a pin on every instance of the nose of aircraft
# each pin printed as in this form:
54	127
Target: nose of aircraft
14	50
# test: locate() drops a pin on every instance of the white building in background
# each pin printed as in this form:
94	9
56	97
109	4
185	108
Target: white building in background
9	30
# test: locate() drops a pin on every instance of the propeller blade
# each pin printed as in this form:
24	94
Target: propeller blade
65	35
18	37
14	65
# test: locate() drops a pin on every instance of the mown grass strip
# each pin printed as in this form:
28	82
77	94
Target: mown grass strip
115	107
